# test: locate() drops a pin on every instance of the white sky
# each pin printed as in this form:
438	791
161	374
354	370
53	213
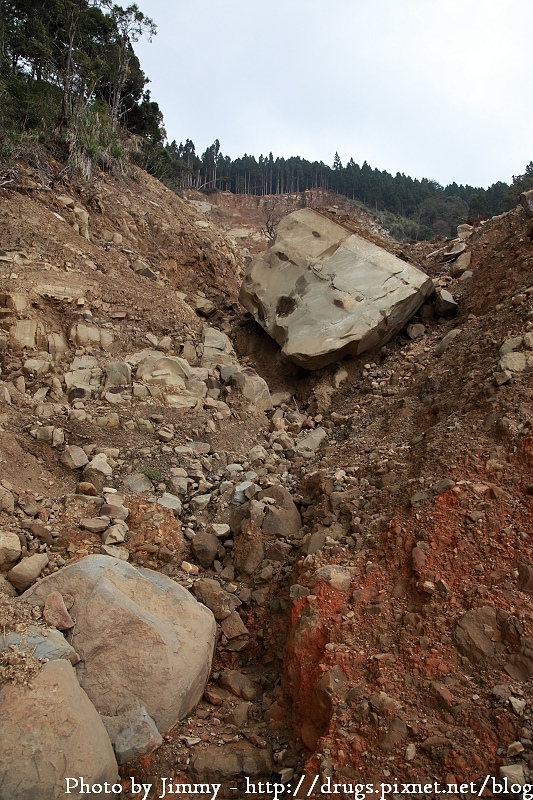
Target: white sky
439	89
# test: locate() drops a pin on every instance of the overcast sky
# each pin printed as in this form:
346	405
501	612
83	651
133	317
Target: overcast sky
439	89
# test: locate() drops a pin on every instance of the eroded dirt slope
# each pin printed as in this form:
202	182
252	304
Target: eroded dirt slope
390	636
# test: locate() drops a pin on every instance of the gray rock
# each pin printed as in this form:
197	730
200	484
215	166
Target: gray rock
243	491
138	482
205	548
141	268
446	341
211	594
115	552
512	362
416	330
168	500
502	377
510	344
230	761
26	571
50	732
282	519
117	374
199	502
514	772
143	639
172	371
115	534
133	733
526	201
461	264
74	457
218	350
7	588
338	577
445	305
309	443
44	643
97	470
94	524
253	387
323	293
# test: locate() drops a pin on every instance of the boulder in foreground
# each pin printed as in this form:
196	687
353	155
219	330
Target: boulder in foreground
51	731
144	641
322	292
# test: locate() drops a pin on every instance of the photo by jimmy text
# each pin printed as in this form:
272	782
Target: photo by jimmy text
313	787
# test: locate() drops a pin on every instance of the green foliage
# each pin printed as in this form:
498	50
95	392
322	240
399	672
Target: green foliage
413	209
521	183
152	473
68	74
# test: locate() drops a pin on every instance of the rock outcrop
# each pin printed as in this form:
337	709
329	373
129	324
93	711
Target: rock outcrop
323	293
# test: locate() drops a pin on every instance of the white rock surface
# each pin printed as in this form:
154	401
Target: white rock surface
323	293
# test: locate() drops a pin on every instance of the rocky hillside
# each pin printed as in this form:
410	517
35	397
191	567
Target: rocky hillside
250	220
361	534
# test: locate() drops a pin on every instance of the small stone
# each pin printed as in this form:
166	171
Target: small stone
502	377
233	626
138	482
42	533
133	734
416	330
445	305
410	752
115	552
510	344
94	524
74	457
446	341
238	684
10	548
199	502
55	612
512	362
116	533
168	500
26	571
86	487
190	569
514	774
7	501
514	749
517	704
205	548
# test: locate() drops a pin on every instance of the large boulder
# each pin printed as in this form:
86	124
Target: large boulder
50	732
143	640
323	293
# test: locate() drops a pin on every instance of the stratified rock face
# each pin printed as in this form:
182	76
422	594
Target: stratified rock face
323	293
143	639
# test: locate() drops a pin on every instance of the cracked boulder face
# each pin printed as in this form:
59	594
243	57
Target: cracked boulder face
323	293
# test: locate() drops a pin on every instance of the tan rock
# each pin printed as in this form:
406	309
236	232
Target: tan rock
10	548
143	639
50	732
27	571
